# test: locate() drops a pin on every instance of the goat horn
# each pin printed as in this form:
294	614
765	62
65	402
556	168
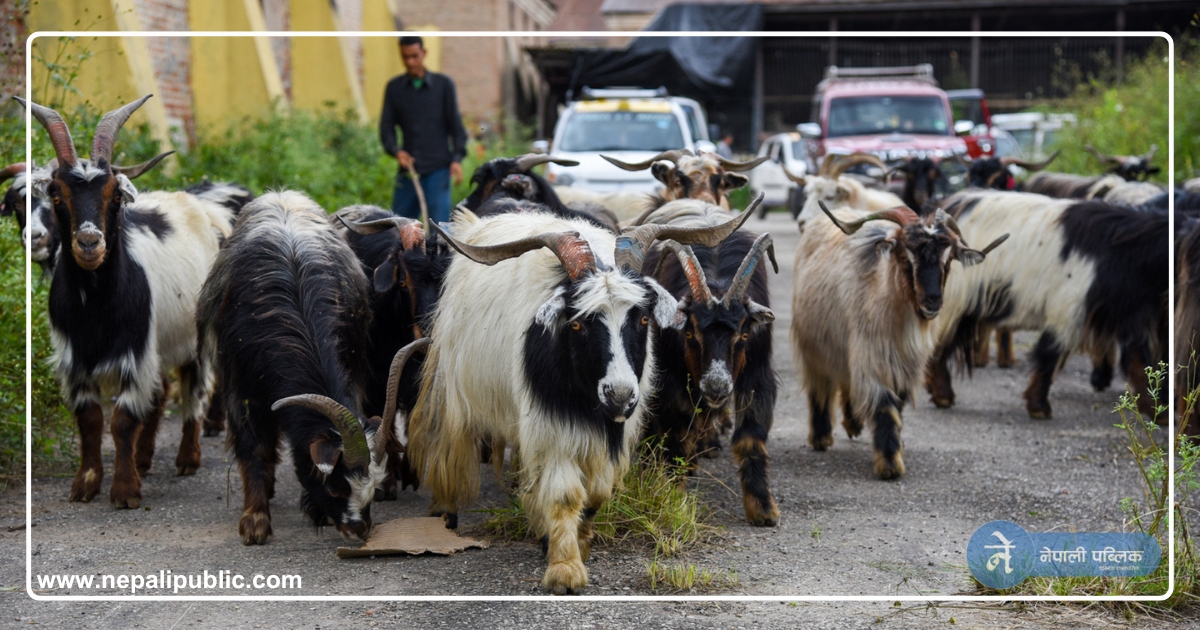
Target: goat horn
994	244
393	389
799	180
12	170
672	155
530	160
573	252
1028	165
841	166
1107	159
633	242
953	225
745	272
1150	154
411	233
735	167
60	136
691	269
137	170
110	124
355	451
900	215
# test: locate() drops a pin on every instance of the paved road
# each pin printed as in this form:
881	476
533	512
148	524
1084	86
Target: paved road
841	531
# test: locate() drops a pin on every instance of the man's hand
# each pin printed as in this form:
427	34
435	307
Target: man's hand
456	172
405	159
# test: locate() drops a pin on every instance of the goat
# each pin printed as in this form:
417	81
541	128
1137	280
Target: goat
561	370
513	178
722	357
1130	168
122	303
994	172
406	271
833	186
284	316
865	307
1187	327
685	175
1084	273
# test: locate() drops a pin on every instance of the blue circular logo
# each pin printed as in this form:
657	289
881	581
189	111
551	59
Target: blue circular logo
1000	554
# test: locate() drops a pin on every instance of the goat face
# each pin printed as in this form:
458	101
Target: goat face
696	177
412	278
990	173
920	178
87	201
39	233
340	494
591	338
716	336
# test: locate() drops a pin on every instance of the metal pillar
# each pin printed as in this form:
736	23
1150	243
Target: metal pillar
975	26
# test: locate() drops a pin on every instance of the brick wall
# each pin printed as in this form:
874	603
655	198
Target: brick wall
277	14
172	60
12	51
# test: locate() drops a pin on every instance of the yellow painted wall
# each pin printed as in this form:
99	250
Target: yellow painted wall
381	55
104	81
318	69
227	80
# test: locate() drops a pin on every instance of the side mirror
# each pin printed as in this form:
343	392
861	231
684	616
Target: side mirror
541	146
809	130
963	127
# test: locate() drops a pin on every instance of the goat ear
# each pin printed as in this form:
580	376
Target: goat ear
968	256
385	275
733	181
662	170
550	312
884	247
759	314
668	312
843	192
324	453
128	191
40	181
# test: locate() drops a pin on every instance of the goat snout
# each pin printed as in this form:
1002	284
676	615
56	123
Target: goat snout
716	385
355	531
620	398
89	248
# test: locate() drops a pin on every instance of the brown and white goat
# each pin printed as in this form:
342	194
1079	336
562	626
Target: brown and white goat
833	186
864	309
706	177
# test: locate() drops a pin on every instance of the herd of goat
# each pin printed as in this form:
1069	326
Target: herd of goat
569	330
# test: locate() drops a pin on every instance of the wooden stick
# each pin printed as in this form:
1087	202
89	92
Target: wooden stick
416	180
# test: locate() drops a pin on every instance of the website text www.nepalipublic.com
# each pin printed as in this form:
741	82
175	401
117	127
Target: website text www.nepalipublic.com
166	581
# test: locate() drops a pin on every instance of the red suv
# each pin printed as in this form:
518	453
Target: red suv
893	113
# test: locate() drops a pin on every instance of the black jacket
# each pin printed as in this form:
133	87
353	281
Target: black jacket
429	119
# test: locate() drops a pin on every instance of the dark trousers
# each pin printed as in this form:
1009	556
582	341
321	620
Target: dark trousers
435	185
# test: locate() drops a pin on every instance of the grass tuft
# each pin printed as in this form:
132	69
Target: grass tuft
682	578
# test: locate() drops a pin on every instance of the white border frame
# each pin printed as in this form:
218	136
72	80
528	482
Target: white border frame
604	598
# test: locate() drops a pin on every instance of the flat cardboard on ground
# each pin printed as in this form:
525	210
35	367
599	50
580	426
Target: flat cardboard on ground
426	534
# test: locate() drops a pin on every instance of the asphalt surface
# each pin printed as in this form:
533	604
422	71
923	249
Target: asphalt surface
841	530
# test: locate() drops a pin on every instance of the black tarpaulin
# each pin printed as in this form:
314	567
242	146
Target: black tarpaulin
715	67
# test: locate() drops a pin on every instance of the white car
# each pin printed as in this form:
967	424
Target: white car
788	153
1034	131
627	124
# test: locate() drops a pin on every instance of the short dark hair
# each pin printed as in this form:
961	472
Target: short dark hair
409	40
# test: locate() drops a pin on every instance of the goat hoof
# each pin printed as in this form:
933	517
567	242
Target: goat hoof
853	429
820	443
255	528
125	495
886	468
387	492
942	402
86	485
760	512
565	578
451	518
143	468
186	463
1039	414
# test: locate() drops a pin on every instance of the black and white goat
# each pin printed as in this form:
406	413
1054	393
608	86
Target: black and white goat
550	352
1083	273
123	303
867	293
722	356
285	317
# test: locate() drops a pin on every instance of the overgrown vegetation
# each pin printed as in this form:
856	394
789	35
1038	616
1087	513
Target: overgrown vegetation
682	578
1126	117
1149	445
653	507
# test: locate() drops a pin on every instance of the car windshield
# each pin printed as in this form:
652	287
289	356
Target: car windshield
799	152
862	115
621	131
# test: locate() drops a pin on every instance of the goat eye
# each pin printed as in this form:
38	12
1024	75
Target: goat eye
645	320
403	284
576	326
745	336
688	334
56	200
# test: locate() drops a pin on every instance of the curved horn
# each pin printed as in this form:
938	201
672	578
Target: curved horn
841	166
672	155
573	252
60	136
799	180
530	160
411	233
12	170
953	225
900	215
137	170
1150	154
697	281
827	163
354	441
633	242
1106	159
735	167
388	418
110	124
745	272
1028	165
994	244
